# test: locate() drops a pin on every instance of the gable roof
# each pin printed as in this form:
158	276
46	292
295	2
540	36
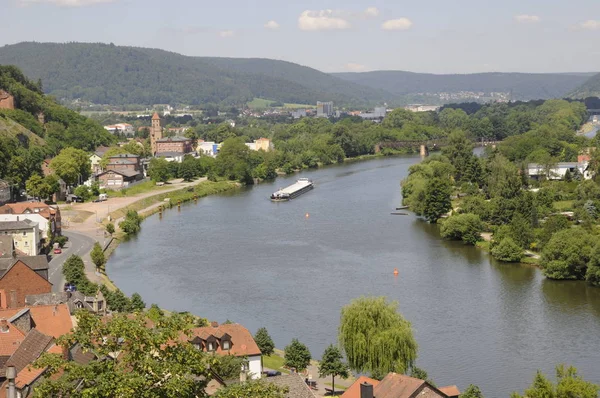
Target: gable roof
354	390
9	342
52	320
124	173
34	344
29	207
242	342
155	116
451	391
395	385
17	225
31	262
297	387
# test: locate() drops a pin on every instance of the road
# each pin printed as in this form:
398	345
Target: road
78	244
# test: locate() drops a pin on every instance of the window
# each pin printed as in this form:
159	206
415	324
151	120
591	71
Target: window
211	346
16	243
24	233
26	243
197	346
226	345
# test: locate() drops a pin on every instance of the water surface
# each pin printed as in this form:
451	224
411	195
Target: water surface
240	257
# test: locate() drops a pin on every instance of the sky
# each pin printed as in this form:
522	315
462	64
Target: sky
435	36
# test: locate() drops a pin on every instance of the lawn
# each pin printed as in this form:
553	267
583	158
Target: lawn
274	362
142	187
563	205
260	103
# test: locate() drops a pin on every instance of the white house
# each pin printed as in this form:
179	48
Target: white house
209	148
559	170
229	339
25	235
43	223
125	128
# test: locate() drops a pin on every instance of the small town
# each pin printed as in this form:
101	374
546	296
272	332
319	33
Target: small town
299	201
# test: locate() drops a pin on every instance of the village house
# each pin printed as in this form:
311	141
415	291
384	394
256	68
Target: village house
262	144
43	224
180	145
559	170
229	339
74	300
26	334
209	148
50	213
20	277
124	128
295	384
396	385
120	172
25	235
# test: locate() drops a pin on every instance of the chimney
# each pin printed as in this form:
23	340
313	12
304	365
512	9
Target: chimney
366	390
214	324
3	325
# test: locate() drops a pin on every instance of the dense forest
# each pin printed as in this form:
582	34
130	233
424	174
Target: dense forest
109	74
25	141
589	88
117	75
523	86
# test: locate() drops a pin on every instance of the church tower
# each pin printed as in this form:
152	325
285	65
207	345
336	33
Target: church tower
155	132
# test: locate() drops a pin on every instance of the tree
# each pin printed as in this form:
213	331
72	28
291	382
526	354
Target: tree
567	254
98	257
132	222
159	170
233	161
83	192
419	373
264	341
331	365
508	251
228	366
252	388
472	392
459	151
503	178
296	355
110	228
552	225
437	199
137	304
568	385
188	169
375	337
72	165
153	362
37	187
466	227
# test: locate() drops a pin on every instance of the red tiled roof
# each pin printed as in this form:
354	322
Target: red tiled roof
242	342
9	342
354	390
155	116
52	320
20	208
29	350
28	376
451	391
396	385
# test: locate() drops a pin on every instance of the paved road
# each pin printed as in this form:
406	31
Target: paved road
78	244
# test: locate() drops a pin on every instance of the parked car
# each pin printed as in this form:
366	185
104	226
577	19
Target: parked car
69	287
97	200
272	373
57	250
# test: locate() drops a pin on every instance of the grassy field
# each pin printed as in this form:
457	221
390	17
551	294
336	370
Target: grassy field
142	187
563	205
261	103
184	195
274	362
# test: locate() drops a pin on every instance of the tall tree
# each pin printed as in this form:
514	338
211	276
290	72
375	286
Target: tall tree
296	355
569	384
72	165
152	361
472	392
332	365
375	337
98	257
159	170
460	151
264	341
437	199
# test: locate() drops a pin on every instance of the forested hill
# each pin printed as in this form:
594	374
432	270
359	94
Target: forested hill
589	88
524	86
109	74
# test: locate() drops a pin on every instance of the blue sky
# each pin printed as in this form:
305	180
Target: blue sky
438	36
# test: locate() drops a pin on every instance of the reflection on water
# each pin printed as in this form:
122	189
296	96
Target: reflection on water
239	256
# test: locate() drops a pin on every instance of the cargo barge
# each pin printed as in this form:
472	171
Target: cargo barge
301	186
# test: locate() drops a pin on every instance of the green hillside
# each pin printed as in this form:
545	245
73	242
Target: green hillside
589	88
109	74
25	142
524	86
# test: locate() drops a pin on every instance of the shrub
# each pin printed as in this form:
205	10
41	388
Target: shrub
465	227
507	250
132	223
61	240
567	254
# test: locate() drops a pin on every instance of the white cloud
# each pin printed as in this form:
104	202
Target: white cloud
227	33
272	25
64	3
590	25
372	12
524	18
322	20
397	24
352	67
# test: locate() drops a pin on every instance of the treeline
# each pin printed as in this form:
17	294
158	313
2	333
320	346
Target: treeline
494	193
57	126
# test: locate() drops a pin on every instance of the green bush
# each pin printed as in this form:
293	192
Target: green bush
465	227
507	250
74	272
61	240
132	223
567	254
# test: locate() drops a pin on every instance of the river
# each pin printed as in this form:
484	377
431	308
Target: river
241	257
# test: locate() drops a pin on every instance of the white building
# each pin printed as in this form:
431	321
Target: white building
324	109
297	114
25	235
43	223
559	171
124	128
209	148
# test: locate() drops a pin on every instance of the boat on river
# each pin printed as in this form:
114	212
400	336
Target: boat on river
301	186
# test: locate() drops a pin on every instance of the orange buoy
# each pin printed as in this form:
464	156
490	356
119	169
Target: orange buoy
307	215
395	271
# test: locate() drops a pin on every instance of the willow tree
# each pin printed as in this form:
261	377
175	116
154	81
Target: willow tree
376	338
